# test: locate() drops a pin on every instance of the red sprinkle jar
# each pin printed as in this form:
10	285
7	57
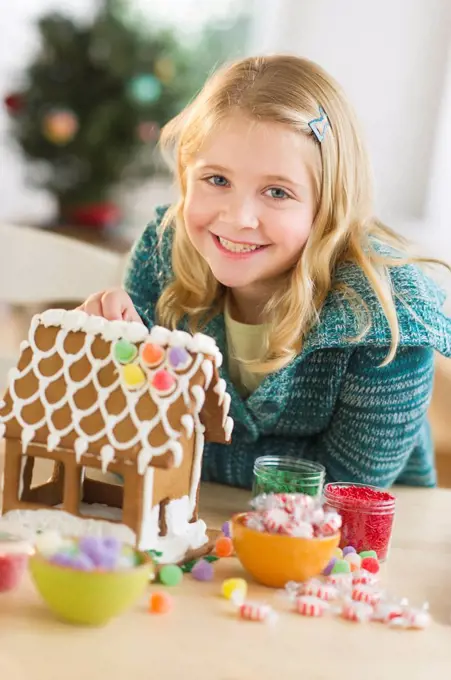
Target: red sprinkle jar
14	554
367	514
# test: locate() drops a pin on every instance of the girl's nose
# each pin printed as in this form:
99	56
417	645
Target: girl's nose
240	214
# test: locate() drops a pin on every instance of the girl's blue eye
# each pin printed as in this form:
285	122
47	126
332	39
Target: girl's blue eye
217	181
278	193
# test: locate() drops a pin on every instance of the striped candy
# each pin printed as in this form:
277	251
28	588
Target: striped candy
323	591
254	611
308	605
365	593
364	577
357	611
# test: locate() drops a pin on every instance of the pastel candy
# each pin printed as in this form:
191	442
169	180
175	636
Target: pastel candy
338	553
133	376
349	549
328	569
179	357
234	585
125	351
152	354
341	567
170	575
202	571
354	560
368	553
163	381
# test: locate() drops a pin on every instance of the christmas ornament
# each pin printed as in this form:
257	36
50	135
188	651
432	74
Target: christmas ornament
14	103
148	131
145	89
165	69
60	126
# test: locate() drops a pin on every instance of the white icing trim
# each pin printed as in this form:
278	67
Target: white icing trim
106	456
2	430
228	428
80	448
207	370
52	441
188	423
27	437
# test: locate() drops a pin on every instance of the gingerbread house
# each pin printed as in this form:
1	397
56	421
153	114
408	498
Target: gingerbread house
110	396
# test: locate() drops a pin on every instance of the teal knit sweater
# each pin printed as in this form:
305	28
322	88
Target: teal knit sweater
333	403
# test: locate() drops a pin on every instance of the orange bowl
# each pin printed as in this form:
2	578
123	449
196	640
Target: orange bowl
273	559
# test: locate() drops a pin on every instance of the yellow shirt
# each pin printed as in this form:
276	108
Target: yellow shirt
244	342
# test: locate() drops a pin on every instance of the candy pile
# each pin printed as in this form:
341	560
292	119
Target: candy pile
354	596
14	553
348	560
297	515
87	553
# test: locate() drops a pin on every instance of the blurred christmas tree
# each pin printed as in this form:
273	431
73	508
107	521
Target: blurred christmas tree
94	100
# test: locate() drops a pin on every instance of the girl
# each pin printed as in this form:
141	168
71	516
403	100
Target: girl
328	331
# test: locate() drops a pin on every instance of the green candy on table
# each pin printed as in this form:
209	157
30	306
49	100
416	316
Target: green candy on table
341	567
368	553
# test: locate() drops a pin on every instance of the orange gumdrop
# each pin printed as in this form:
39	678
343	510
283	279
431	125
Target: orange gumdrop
160	603
224	547
354	566
152	354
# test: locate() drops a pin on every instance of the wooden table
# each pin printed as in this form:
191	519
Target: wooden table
202	638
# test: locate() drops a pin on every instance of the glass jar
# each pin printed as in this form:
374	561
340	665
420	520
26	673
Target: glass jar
282	474
367	514
14	554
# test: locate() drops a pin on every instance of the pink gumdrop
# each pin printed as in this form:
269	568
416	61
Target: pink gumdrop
163	381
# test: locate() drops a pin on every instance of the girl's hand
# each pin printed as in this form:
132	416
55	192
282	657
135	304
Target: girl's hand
113	304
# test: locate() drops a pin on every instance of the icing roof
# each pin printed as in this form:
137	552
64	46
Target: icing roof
115	390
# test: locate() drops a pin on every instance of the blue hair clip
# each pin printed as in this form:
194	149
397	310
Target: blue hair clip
319	125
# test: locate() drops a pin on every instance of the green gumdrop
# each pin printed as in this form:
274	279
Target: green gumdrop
170	575
125	351
368	553
341	567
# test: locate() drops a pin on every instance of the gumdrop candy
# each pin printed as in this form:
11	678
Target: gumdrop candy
133	376
202	571
124	351
170	575
368	553
163	381
234	585
152	354
348	550
160	603
224	547
354	561
370	564
341	567
179	358
328	568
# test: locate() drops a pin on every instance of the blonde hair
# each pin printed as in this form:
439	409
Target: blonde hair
288	90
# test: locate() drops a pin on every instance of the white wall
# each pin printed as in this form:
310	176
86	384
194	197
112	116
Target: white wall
390	56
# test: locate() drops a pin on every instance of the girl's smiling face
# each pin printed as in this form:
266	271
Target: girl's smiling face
251	201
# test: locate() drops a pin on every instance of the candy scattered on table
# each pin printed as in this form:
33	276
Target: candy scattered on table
349	550
358	612
202	571
341	567
87	553
170	575
319	589
224	547
354	560
368	594
370	564
338	553
160	603
296	515
328	569
257	611
233	586
226	529
309	605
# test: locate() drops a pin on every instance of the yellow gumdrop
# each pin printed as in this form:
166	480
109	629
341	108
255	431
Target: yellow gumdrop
133	376
338	553
231	585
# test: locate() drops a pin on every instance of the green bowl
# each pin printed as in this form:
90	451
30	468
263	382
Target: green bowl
90	598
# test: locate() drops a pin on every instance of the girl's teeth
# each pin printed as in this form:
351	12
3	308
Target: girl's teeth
237	247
